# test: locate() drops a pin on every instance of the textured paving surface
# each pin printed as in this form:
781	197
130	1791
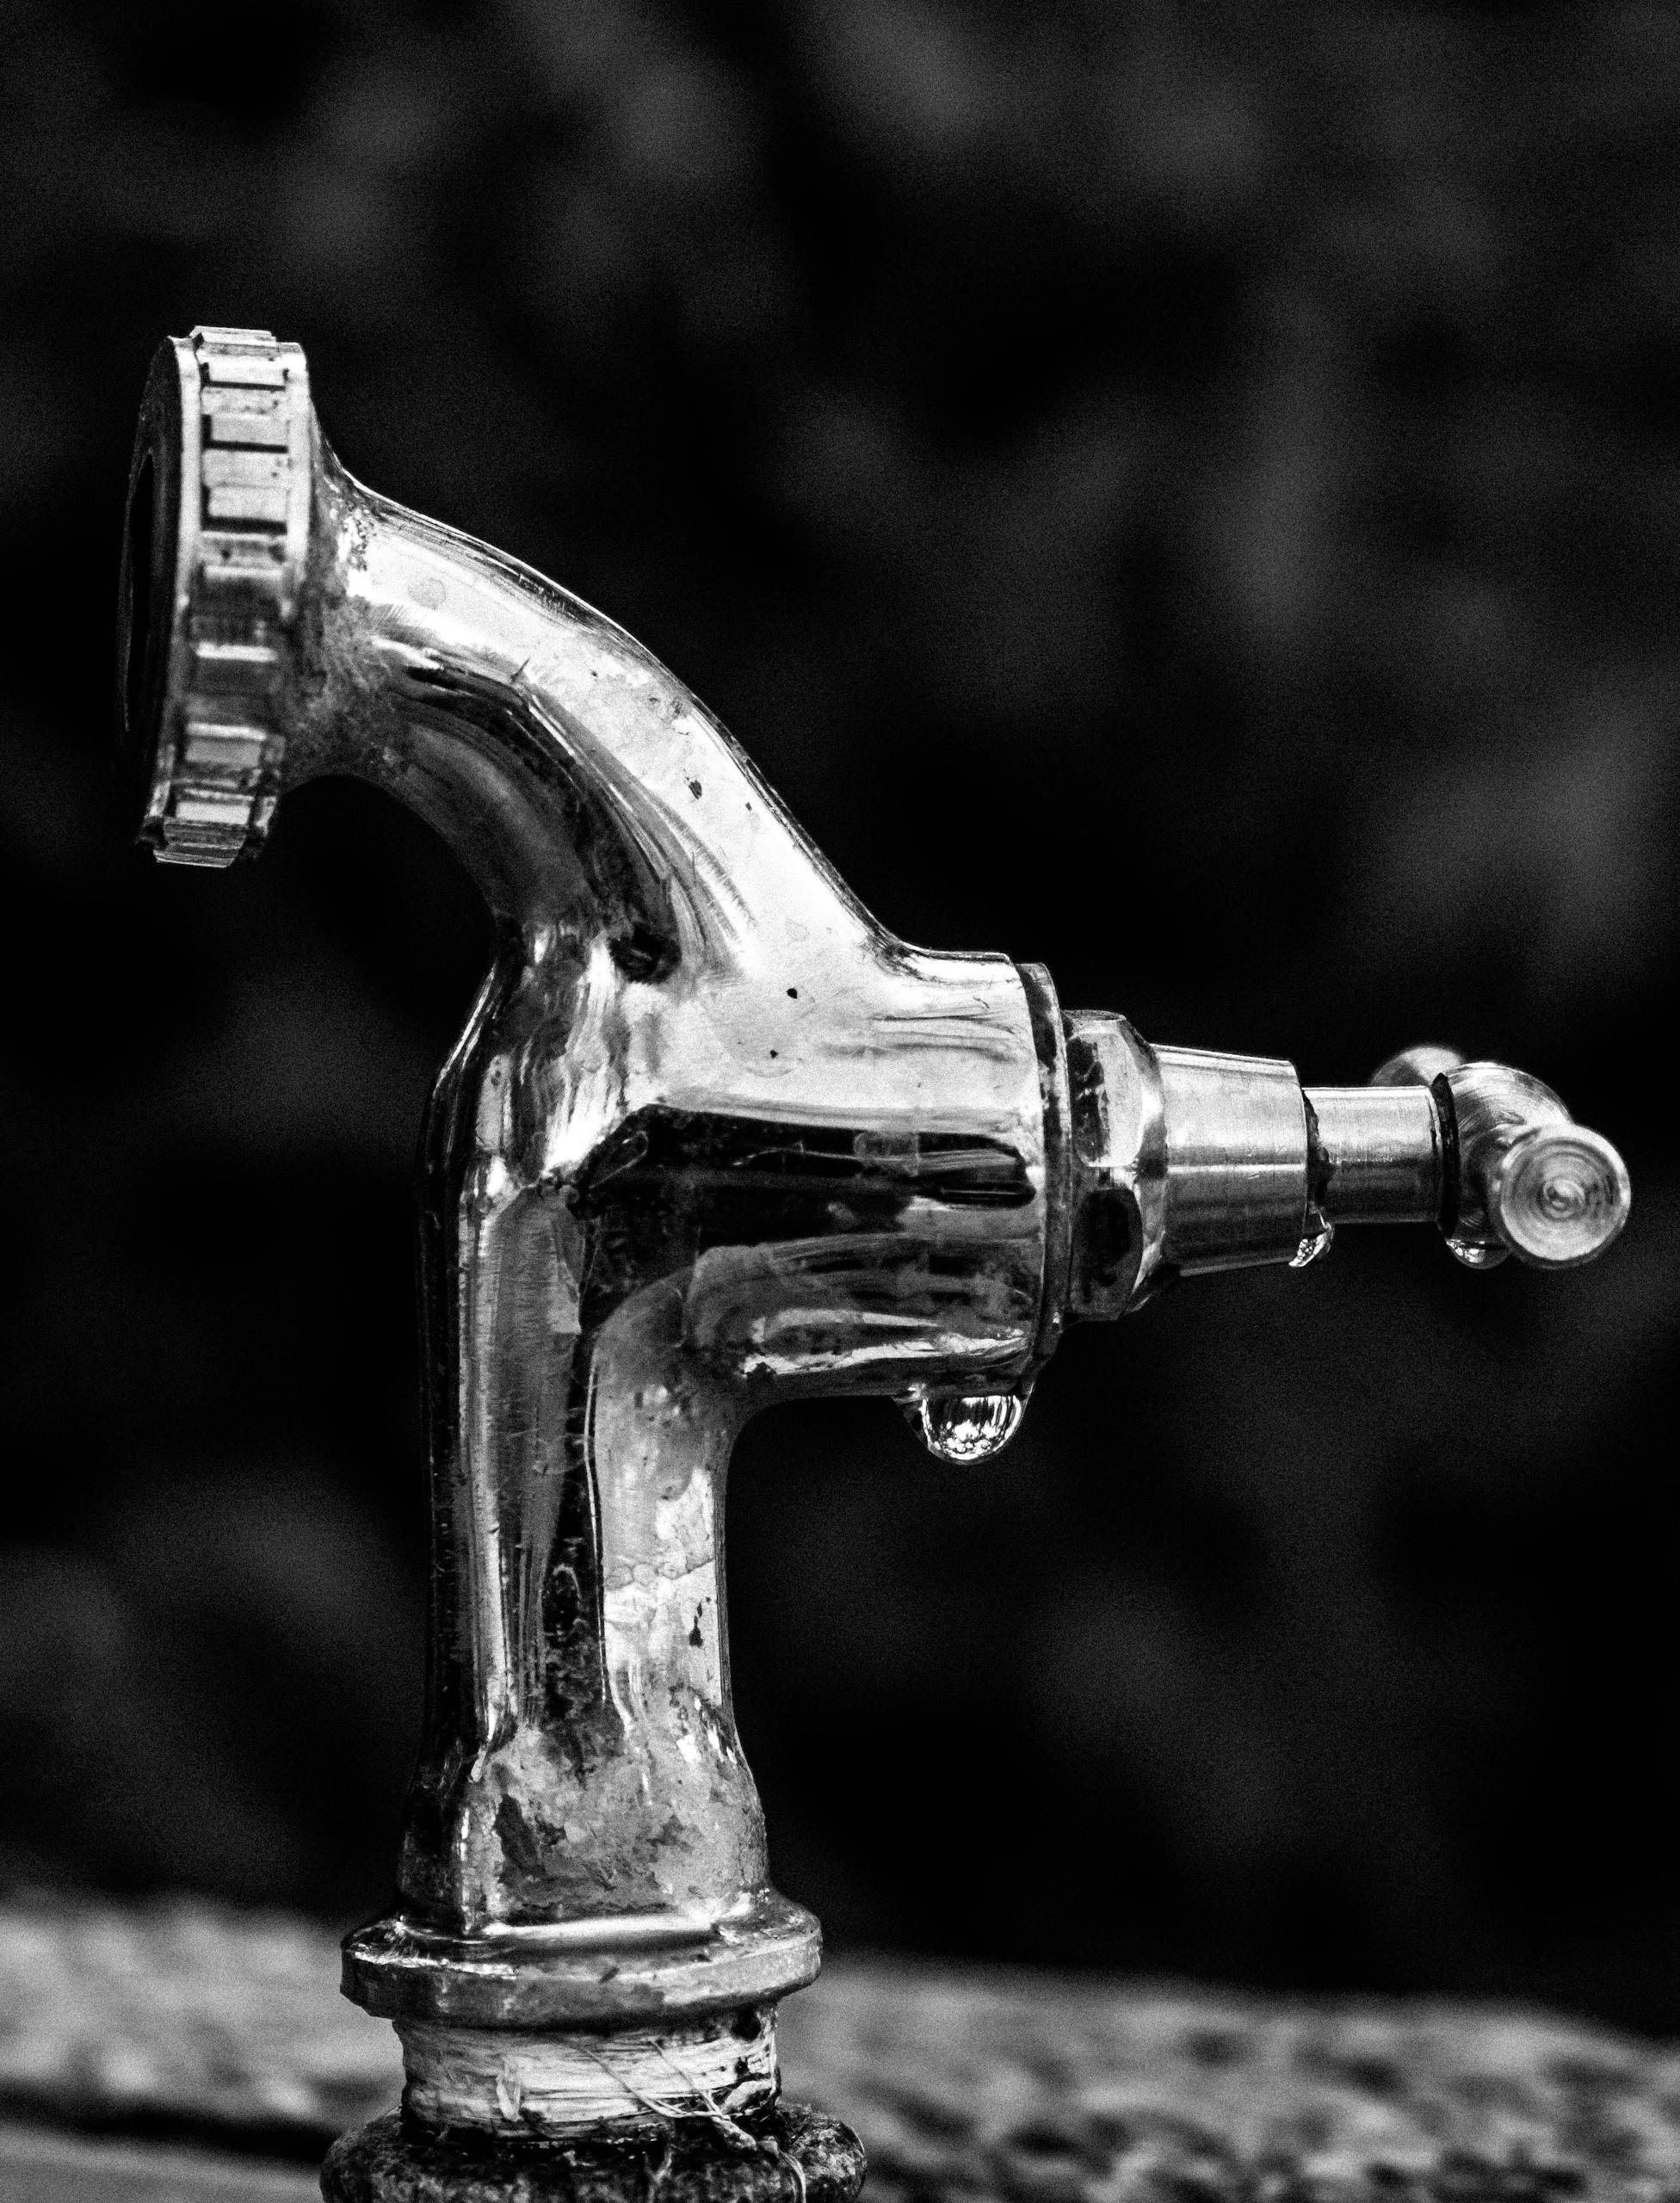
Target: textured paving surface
40	2166
226	2030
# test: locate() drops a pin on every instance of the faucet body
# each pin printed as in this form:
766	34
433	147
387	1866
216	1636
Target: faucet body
713	1137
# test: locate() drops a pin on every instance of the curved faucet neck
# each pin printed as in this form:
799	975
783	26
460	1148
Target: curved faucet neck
585	789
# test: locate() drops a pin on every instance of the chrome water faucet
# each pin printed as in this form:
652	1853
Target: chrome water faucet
713	1137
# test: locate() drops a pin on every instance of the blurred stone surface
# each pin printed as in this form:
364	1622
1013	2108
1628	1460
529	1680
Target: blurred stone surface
226	2031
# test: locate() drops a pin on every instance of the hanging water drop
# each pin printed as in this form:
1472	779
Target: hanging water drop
965	1426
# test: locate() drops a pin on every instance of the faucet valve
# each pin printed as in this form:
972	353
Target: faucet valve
1185	1162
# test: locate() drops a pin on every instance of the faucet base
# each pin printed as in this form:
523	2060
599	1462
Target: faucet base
513	2084
794	2152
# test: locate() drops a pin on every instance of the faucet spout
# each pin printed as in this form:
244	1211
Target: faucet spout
713	1137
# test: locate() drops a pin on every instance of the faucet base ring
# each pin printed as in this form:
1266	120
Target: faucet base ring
585	1973
794	2151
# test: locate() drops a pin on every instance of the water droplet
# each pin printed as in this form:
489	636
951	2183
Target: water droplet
1320	1235
965	1426
1475	1256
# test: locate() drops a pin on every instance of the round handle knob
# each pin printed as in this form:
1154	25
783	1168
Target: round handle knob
1523	1177
1530	1182
218	534
1558	1195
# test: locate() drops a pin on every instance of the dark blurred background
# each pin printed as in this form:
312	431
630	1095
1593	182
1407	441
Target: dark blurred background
1188	494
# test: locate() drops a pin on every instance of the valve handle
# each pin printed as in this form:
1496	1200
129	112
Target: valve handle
219	522
1523	1177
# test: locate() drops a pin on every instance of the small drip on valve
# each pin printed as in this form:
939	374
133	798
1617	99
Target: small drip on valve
1474	1255
1316	1240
